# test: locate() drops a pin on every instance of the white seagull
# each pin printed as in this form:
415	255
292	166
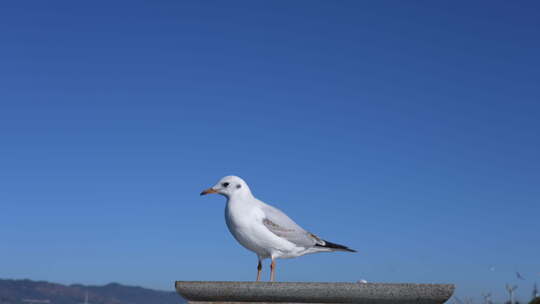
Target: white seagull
264	229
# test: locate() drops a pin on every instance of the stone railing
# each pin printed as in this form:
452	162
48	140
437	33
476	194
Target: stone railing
285	292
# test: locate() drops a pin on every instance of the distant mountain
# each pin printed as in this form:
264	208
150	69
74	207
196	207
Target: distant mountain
40	292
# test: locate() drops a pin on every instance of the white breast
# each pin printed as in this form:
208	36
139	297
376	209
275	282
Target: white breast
244	220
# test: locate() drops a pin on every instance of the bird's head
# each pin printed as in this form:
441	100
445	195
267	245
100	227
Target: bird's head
229	186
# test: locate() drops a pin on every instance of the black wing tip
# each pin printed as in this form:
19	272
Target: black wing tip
335	246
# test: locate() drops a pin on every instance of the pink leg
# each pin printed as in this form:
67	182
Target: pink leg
273	271
259	268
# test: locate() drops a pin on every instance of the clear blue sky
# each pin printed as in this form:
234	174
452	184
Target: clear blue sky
409	131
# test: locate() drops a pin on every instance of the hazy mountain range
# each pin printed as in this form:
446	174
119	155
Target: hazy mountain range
40	292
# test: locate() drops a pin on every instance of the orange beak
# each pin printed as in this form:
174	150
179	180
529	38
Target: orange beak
208	191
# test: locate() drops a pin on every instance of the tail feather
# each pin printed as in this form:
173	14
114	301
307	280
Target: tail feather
334	246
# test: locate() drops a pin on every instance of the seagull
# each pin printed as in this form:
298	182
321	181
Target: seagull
264	229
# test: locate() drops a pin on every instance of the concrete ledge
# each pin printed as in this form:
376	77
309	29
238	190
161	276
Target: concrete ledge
285	292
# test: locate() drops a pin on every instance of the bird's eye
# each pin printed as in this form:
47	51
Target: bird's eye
225	185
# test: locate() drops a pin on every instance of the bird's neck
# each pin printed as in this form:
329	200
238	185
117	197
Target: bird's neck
241	196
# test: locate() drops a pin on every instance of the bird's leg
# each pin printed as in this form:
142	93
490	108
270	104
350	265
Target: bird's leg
259	268
273	271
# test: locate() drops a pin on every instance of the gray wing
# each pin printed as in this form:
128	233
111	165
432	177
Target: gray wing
281	225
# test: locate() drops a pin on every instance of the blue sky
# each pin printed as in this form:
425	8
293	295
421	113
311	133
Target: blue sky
409	131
